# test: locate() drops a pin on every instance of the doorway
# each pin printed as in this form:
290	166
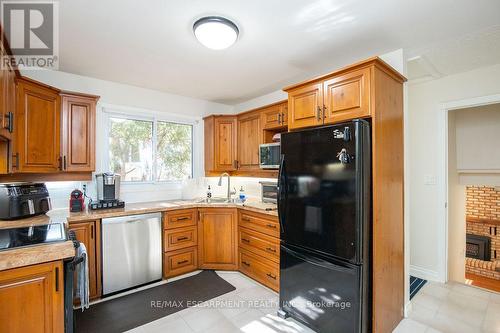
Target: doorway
473	195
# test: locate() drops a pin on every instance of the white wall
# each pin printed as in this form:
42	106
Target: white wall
426	149
131	99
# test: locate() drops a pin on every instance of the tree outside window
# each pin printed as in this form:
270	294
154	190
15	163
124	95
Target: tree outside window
131	151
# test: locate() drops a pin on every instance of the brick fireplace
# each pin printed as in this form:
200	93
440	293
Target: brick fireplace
483	231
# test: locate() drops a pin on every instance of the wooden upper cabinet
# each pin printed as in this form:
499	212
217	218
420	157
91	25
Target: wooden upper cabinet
225	143
347	96
220	143
87	232
37	128
217	238
305	106
249	138
275	116
78	132
32	299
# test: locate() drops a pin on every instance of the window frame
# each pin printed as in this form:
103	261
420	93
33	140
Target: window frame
111	111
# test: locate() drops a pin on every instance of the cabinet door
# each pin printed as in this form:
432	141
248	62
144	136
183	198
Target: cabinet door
78	135
305	106
32	299
249	138
87	233
225	143
38	130
217	239
347	96
272	117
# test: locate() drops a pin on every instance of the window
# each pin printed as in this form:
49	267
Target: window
147	150
174	151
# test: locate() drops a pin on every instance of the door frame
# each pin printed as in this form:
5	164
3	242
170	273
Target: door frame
444	110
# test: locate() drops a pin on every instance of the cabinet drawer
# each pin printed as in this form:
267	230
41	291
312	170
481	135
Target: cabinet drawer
257	222
180	262
263	270
258	243
179	218
174	239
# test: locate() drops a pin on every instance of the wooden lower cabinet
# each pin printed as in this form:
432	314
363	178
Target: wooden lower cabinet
257	267
217	238
89	233
180	261
180	242
32	299
261	244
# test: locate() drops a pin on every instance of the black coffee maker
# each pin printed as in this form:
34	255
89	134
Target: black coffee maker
108	191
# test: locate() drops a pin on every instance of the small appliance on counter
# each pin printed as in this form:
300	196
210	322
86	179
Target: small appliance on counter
19	200
76	201
108	191
269	192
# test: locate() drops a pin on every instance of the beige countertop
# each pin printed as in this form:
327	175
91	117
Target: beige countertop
31	255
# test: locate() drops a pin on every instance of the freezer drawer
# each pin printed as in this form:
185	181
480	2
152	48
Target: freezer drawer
131	251
326	295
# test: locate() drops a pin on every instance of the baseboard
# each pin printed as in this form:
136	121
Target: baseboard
424	273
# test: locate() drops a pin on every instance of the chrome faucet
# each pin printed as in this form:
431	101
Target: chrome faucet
229	192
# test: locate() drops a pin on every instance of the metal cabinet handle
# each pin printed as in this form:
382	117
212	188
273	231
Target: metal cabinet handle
283	118
324	111
180	219
60	163
245	219
16	158
57	279
64	162
271	276
271	249
182	238
245	240
318	113
10	118
269	225
279	118
245	263
182	262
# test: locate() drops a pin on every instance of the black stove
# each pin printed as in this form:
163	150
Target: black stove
34	235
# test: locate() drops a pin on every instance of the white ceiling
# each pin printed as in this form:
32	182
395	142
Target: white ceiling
151	43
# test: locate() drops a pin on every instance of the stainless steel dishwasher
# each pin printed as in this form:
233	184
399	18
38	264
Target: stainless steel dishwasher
131	251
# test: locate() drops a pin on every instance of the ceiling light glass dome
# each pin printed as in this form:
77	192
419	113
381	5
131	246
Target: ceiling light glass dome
215	32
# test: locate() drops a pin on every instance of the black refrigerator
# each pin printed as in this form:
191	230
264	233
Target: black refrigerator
324	207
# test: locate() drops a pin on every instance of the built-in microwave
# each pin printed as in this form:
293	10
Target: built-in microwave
269	155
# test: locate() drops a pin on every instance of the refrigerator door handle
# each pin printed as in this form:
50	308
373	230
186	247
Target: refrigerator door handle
318	262
281	192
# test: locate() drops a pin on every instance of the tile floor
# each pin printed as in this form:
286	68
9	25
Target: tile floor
251	308
452	308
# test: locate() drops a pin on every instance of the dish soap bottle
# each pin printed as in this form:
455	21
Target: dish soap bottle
209	192
243	197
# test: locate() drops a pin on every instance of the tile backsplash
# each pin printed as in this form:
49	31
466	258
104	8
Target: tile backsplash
189	189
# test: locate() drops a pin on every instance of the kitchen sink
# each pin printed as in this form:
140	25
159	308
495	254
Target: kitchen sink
215	200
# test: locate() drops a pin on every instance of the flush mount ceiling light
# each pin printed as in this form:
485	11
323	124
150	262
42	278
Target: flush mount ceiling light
215	32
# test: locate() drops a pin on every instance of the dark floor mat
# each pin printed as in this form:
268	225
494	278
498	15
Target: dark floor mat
126	312
415	285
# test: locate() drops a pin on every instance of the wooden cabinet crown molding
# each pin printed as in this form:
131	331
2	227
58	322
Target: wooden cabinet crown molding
373	61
